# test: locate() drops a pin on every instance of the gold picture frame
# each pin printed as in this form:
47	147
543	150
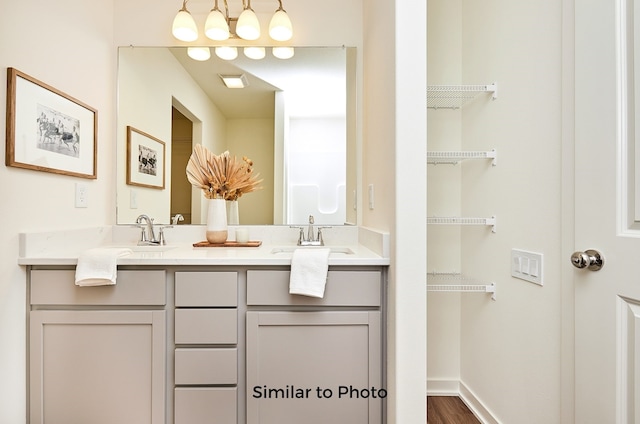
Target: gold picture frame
145	159
48	130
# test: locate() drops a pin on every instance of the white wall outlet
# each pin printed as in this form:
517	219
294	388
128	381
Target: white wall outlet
370	196
527	266
82	195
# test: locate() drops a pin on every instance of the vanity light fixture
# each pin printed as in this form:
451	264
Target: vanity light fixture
248	26
235	81
218	25
184	27
280	27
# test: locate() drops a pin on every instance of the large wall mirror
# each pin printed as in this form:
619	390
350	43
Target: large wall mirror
295	119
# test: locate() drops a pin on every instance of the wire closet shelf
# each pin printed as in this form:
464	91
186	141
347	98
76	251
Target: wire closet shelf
456	282
456	96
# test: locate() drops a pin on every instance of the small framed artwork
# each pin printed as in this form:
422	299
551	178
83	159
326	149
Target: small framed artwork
48	130
145	159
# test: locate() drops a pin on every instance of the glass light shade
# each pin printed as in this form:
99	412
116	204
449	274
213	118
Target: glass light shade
248	27
280	28
226	52
199	53
216	27
255	52
283	52
184	27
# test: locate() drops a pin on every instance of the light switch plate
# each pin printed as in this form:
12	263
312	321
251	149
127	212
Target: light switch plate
527	266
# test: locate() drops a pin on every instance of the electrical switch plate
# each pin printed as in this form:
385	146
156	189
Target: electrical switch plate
82	195
527	266
133	199
370	196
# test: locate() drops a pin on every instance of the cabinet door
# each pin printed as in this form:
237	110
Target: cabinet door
314	367
98	367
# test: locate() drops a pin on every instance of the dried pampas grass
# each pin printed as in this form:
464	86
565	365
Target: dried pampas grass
221	176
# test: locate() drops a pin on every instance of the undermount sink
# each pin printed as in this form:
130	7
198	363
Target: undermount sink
332	250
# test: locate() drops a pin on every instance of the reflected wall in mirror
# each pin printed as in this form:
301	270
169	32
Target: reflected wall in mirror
295	120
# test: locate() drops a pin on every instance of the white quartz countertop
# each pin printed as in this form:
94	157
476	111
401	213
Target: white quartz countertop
64	248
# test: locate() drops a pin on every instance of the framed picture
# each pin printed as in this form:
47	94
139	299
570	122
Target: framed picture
145	159
48	130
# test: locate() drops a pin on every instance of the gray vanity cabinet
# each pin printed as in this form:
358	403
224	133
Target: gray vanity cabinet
205	344
314	360
206	351
97	354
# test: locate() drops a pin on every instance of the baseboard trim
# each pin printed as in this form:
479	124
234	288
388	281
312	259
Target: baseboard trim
458	388
443	387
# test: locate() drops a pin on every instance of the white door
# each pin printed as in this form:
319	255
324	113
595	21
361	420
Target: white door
607	216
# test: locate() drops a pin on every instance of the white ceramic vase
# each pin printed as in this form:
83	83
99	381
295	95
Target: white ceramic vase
216	221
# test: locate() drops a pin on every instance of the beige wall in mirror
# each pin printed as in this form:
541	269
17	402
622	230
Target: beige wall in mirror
295	120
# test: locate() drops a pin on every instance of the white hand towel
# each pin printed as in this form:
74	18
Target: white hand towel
98	267
309	269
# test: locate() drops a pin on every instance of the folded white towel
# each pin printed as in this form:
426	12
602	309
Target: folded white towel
98	267
309	269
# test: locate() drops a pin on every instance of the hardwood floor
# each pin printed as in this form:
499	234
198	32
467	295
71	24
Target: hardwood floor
448	410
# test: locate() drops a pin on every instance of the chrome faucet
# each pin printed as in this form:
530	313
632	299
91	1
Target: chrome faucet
310	239
176	218
148	235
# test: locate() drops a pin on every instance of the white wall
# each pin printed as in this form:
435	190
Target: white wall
68	45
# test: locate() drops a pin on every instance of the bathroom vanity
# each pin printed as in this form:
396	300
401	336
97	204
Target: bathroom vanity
195	335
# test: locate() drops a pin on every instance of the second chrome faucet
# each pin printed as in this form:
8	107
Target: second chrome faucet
312	238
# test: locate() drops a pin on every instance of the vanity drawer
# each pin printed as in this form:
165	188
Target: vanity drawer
211	405
206	289
206	326
206	366
344	288
57	287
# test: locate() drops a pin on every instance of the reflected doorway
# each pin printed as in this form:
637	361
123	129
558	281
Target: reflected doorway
181	148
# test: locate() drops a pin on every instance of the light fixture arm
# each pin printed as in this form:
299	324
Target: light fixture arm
184	6
280	7
226	10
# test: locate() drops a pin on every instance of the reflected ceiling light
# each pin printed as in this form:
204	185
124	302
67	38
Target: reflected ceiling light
248	26
199	53
280	27
255	52
184	27
216	26
283	52
235	81
226	52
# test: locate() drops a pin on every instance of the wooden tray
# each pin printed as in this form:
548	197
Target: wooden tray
228	243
